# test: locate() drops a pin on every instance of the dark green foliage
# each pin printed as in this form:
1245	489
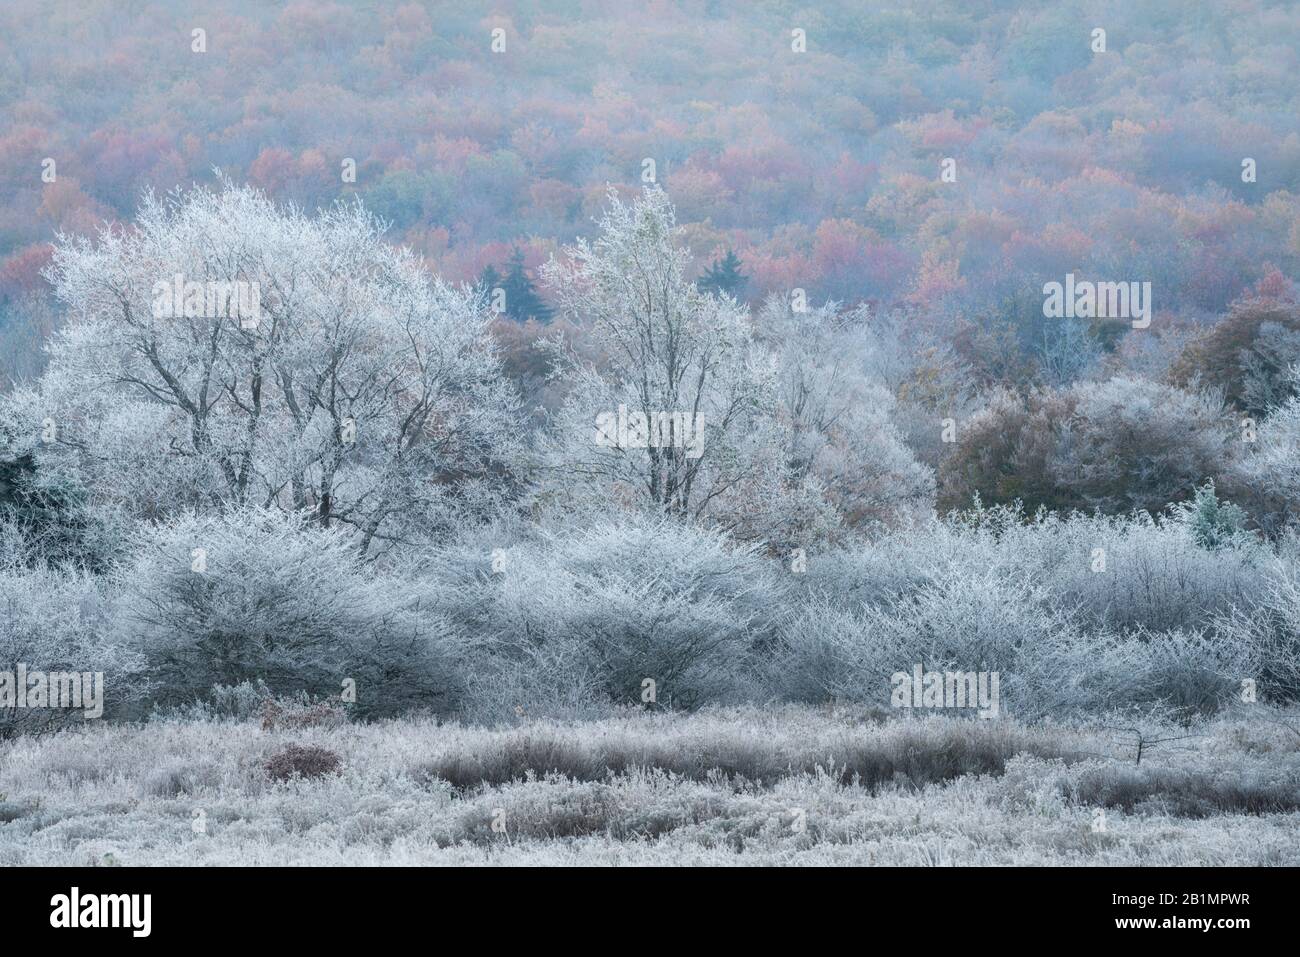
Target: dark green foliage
1214	523
47	517
398	198
522	299
488	280
724	276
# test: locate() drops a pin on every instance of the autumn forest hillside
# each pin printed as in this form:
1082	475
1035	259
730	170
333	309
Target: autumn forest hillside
816	157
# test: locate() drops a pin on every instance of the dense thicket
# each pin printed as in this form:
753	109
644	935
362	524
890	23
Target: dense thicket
344	501
629	372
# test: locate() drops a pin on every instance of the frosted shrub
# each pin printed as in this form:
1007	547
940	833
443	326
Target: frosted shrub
245	701
1265	477
1051	659
594	613
301	761
878	571
57	621
1271	632
977	620
972	622
827	653
1189	670
1117	446
258	595
1090	672
1141	572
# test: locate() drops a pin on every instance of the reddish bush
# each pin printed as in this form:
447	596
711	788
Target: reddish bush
1246	354
298	761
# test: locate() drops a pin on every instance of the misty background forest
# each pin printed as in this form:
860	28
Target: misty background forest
555	432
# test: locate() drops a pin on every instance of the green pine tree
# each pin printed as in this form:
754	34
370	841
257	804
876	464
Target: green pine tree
522	299
489	280
724	276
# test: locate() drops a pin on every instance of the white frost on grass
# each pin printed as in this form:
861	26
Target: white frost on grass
128	794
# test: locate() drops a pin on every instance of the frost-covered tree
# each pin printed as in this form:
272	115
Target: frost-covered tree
226	350
1119	445
1130	443
836	417
675	412
1247	354
1265	476
929	380
1213	523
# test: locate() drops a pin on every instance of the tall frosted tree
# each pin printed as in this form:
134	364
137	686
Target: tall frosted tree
226	350
836	417
675	414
